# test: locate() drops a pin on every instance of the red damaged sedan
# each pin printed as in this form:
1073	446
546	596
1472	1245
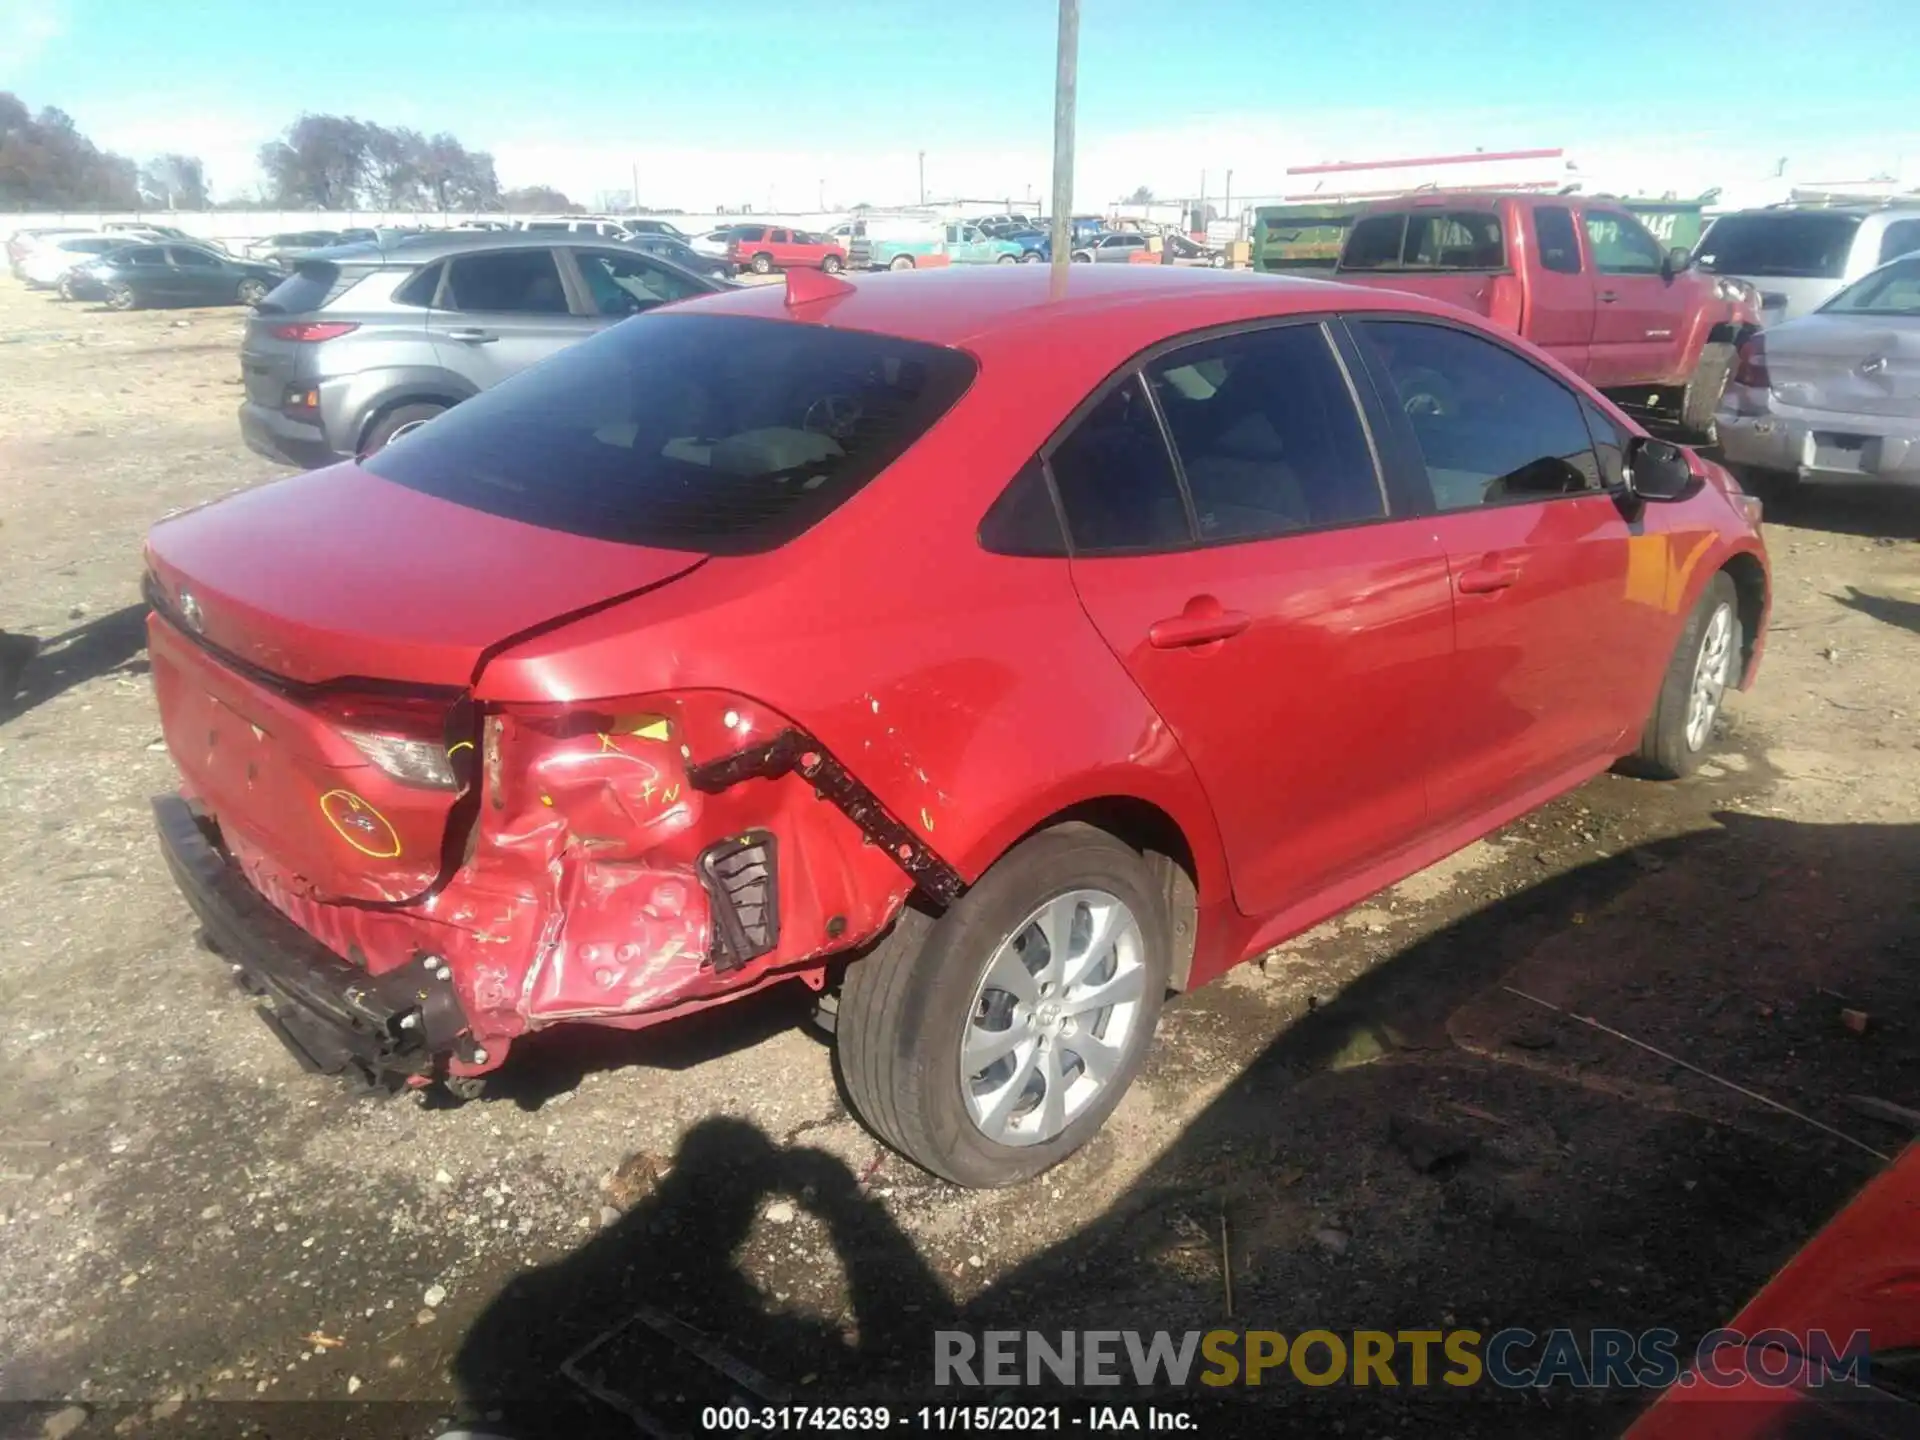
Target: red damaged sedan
997	659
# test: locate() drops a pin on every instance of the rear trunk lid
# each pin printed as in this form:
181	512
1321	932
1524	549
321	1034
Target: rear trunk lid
336	574
292	617
1849	364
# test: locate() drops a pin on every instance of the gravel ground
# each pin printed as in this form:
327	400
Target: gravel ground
193	1228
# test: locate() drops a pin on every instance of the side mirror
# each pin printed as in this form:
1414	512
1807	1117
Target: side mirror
1676	262
1657	470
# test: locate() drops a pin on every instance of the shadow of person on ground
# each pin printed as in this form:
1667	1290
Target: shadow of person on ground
1892	611
110	644
1478	1163
678	1251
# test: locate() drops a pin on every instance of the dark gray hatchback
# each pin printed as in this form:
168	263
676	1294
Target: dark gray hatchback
365	342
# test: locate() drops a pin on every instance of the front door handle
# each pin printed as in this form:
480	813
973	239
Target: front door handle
1485	579
473	337
1197	627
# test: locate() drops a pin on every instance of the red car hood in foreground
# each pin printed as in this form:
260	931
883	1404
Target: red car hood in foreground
339	573
1861	1273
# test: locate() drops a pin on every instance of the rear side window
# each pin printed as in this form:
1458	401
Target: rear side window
525	282
421	288
1463	240
1115	478
1023	520
1900	238
549	227
1787	245
1559	246
1267	434
1374	243
748	232
711	433
1492	429
144	255
187	255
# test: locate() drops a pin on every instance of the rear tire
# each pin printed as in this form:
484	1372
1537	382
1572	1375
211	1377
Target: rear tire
395	423
900	262
65	288
1007	260
1706	663
909	1007
1704	389
833	264
121	297
763	264
1032	257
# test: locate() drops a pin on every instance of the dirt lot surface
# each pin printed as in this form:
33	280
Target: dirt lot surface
1392	1138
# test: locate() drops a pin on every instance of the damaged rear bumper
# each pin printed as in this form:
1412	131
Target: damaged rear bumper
384	1031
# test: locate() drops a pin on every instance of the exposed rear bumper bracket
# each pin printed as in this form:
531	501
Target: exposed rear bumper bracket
381	1030
794	751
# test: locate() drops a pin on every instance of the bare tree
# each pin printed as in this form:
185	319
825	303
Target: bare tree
178	182
1141	196
321	162
542	198
46	161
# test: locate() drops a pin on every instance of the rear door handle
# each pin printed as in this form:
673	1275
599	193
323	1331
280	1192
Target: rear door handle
1607	297
1485	579
1183	631
473	337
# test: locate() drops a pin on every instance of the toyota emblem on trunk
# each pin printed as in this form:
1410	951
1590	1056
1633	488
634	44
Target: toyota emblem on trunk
190	612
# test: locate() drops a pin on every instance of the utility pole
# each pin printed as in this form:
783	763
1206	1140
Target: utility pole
636	187
1226	205
1066	78
923	177
823	197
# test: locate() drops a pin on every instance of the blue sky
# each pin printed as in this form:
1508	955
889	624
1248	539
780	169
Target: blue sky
723	102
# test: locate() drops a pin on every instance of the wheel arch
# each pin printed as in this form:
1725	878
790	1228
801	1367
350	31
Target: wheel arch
425	392
1184	871
1749	578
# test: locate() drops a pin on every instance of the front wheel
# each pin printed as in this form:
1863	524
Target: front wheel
1032	257
900	262
1707	660
65	288
992	1043
251	292
1704	389
1007	260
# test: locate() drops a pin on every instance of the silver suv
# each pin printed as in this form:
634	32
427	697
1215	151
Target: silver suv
1799	256
364	342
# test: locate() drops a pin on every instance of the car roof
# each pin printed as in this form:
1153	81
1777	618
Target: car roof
1133	306
425	248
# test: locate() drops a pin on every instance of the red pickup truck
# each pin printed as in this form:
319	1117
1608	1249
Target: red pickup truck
1581	278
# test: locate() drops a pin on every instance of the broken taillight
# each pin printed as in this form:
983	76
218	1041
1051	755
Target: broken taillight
410	738
1750	364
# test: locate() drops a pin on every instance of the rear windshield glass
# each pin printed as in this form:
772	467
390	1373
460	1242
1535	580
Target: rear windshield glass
1891	290
717	433
1789	246
313	285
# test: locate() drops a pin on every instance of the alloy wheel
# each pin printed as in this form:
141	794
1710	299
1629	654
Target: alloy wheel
1053	1018
1711	670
